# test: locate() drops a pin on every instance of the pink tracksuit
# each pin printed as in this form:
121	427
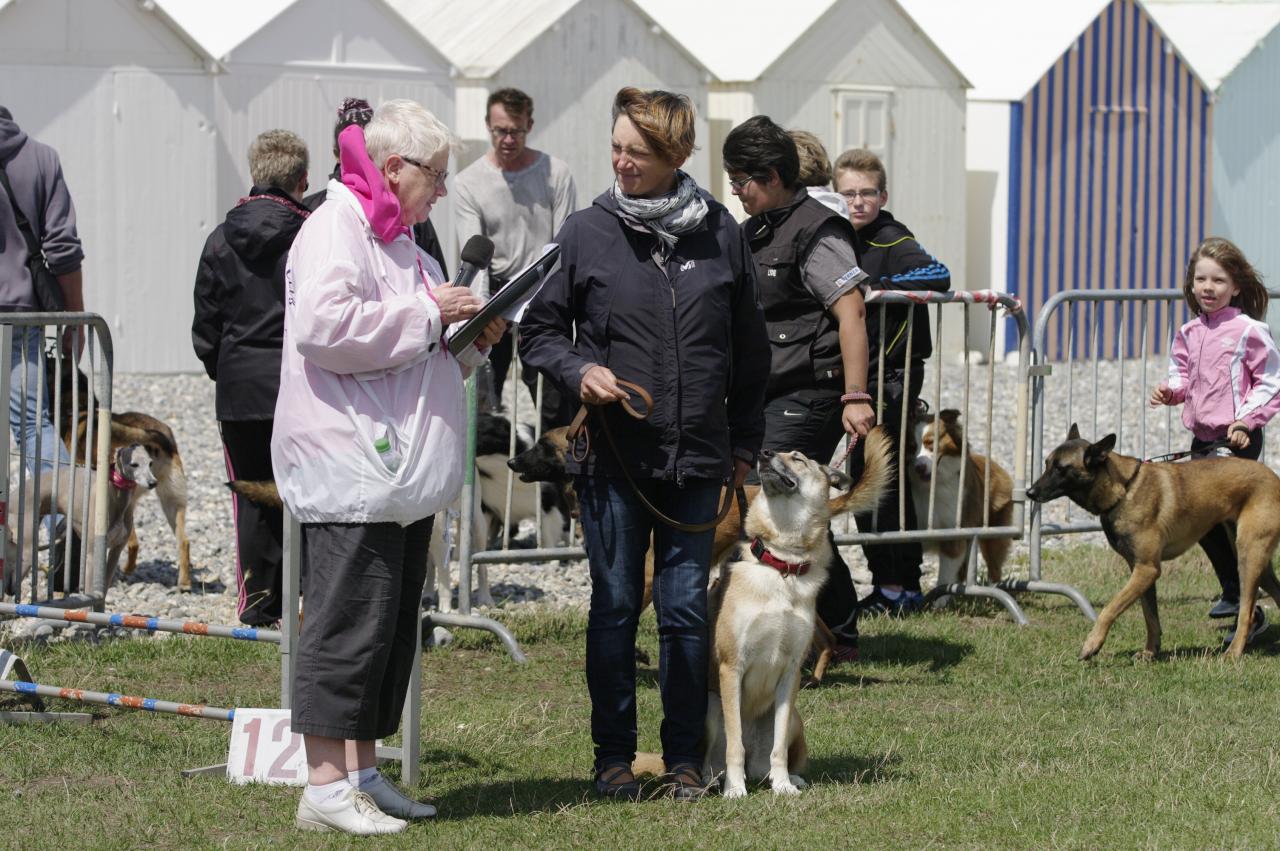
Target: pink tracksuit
1225	367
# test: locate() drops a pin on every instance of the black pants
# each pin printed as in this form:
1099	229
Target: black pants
259	529
892	564
810	421
500	360
362	590
1219	543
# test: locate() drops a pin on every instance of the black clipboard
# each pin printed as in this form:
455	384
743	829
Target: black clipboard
501	301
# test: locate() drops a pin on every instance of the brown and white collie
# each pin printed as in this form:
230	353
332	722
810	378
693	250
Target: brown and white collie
938	457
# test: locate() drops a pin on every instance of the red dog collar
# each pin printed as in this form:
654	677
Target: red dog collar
786	568
121	482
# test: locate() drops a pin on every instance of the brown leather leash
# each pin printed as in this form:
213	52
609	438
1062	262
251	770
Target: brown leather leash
580	448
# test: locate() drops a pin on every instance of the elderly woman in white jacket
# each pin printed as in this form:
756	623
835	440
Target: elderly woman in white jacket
368	445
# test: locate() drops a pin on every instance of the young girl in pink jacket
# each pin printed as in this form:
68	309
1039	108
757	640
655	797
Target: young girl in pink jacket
1224	369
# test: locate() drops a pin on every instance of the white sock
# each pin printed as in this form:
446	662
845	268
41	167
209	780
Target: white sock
363	778
326	792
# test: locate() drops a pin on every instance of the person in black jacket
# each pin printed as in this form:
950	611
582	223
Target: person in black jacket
358	111
657	281
237	333
811	289
892	259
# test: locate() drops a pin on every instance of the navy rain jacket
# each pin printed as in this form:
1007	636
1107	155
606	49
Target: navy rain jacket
690	331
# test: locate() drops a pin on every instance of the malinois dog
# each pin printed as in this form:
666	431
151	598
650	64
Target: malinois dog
1156	511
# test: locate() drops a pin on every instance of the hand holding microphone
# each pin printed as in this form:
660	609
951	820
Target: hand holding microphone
457	302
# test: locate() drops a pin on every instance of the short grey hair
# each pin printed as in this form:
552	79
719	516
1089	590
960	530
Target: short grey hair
407	128
278	158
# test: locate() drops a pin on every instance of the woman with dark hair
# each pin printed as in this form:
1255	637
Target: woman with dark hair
658	284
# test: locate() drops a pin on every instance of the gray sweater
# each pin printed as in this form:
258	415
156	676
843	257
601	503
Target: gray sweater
521	211
36	177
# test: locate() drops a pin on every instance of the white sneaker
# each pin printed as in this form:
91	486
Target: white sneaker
393	802
351	812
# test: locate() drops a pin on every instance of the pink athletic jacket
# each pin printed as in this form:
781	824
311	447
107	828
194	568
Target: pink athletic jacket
1224	367
363	354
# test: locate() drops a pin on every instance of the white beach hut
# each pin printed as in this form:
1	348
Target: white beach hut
571	57
857	73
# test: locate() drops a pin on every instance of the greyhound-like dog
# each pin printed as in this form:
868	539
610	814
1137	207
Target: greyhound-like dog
1156	511
130	468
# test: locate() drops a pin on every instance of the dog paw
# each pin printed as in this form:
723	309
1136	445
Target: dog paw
1144	656
1090	649
785	787
799	782
485	601
732	791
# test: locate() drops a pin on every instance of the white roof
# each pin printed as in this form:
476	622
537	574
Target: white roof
479	38
1003	46
1215	37
737	40
219	27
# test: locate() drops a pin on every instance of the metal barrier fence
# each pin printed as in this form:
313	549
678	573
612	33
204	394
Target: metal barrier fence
1117	345
52	410
1015	456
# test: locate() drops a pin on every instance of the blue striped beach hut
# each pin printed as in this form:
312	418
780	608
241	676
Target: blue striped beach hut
1088	156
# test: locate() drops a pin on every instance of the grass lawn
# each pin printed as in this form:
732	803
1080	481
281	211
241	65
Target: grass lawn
956	729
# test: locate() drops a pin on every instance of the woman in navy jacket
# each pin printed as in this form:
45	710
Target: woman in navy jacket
657	282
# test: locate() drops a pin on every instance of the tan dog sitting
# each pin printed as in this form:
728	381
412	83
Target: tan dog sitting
763	615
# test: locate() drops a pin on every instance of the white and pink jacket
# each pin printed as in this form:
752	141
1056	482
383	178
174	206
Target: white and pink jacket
363	351
1225	367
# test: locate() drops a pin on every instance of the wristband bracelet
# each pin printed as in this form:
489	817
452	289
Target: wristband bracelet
1238	427
855	397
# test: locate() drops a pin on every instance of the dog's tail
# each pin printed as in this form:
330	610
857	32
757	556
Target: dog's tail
648	764
877	474
261	493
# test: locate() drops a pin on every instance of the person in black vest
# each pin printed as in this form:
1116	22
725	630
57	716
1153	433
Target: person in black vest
892	259
358	111
811	290
237	333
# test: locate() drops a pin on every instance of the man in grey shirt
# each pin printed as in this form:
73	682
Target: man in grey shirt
516	196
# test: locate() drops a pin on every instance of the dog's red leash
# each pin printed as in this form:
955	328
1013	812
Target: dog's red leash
853	442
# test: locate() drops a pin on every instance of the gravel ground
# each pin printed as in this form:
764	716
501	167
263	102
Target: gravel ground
186	403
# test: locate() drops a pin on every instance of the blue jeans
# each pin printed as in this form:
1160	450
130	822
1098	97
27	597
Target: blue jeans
616	528
37	420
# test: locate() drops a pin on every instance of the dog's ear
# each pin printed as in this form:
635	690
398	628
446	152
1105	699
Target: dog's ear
838	479
1073	433
950	416
1096	454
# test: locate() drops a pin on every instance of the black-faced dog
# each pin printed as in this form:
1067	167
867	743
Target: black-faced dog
1156	511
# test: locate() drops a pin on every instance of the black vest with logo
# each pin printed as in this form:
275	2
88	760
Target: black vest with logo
803	335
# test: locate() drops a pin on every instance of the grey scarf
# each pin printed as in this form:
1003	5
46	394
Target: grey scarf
668	216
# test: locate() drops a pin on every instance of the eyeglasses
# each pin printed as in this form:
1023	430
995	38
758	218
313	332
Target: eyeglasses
741	182
513	132
864	194
438	176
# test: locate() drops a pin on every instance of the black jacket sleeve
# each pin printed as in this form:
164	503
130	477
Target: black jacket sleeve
908	266
206	327
751	357
547	329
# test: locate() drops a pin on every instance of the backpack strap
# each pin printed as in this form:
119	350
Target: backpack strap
24	225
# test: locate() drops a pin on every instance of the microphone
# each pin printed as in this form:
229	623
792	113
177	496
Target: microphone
476	255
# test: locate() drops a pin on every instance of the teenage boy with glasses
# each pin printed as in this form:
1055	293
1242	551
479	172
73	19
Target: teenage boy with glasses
518	197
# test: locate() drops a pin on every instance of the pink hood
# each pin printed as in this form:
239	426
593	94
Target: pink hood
361	176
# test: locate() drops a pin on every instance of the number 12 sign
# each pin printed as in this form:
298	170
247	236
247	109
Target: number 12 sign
265	750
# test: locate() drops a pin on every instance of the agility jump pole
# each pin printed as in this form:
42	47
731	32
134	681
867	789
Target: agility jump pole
120	701
150	624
